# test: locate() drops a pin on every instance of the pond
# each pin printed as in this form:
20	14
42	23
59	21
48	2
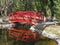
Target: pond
43	41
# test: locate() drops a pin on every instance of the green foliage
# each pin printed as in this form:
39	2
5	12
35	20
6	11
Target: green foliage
49	7
56	9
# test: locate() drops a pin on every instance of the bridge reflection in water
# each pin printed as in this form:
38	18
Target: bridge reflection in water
43	41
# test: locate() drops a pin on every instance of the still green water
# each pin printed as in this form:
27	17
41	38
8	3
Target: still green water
42	41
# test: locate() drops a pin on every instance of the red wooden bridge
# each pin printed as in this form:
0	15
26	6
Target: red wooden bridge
28	17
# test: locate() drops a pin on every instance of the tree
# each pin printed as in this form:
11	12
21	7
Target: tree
51	6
